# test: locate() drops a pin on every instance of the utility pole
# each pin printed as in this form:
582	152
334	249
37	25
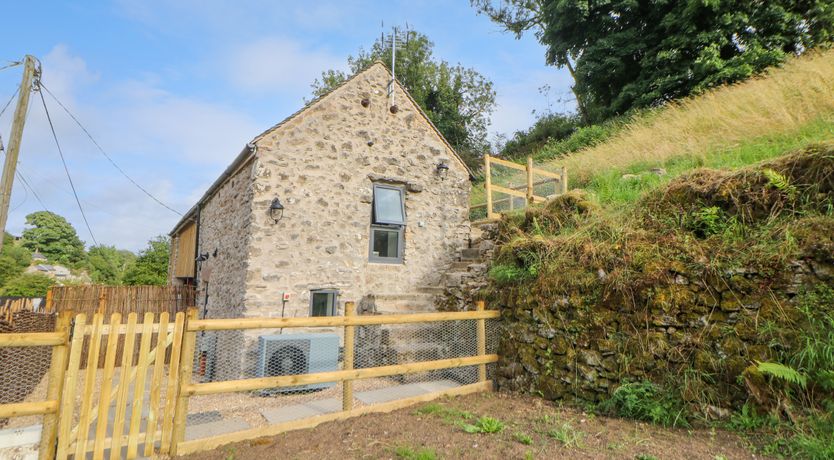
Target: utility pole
15	138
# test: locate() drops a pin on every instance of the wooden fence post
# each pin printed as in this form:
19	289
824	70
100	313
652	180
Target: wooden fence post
47	308
564	181
102	301
488	186
189	341
480	306
347	385
529	180
54	389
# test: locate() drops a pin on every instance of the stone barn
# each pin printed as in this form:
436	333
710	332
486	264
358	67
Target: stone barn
356	196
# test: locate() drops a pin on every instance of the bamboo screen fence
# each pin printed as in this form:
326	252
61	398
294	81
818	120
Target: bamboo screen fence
124	300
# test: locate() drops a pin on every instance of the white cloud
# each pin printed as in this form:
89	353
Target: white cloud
278	65
171	144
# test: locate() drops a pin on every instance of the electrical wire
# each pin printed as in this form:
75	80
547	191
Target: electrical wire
109	158
9	102
26	183
25	197
11	64
66	169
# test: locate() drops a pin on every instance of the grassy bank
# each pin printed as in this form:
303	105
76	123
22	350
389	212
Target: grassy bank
729	127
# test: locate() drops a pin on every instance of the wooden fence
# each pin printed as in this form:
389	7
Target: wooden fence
526	192
101	401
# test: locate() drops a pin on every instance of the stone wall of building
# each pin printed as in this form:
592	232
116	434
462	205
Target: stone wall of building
225	233
322	164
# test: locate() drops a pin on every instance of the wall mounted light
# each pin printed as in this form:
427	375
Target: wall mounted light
442	169
276	210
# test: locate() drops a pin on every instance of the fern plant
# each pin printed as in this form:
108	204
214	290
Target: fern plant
779	182
782	372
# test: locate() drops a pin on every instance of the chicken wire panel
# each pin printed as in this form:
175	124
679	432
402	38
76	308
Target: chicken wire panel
23	378
245	354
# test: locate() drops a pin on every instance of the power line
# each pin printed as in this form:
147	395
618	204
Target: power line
66	169
112	162
9	102
11	64
31	188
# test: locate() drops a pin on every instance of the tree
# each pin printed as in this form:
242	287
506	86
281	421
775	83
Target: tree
640	53
151	267
549	127
54	237
28	285
108	264
457	100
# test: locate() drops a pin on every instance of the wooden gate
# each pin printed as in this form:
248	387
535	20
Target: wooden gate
126	406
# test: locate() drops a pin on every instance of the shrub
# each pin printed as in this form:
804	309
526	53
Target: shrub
645	401
28	285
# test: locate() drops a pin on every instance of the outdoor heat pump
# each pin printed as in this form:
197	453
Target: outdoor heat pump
293	354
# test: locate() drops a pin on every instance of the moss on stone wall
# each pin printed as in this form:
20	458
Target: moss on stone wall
686	289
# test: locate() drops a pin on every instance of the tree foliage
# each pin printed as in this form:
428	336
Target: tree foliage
458	100
28	285
547	128
639	53
54	237
108	265
151	266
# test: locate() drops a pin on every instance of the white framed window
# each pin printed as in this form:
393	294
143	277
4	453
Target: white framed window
387	225
323	302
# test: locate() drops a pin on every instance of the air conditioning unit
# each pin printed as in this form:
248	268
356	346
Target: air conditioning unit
293	354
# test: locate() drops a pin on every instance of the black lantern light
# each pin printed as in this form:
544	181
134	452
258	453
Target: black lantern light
442	169
276	210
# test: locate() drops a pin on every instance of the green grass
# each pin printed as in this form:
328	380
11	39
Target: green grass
612	191
523	438
567	435
409	453
447	414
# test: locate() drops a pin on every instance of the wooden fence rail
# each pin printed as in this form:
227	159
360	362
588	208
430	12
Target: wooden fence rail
527	191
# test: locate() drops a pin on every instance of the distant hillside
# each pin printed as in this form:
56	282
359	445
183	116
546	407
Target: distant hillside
729	127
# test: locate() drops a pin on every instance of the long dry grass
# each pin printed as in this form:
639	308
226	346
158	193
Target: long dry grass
780	101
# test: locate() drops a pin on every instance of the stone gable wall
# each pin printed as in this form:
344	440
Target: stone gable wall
322	165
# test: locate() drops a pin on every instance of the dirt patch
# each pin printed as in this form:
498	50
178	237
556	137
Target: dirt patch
533	428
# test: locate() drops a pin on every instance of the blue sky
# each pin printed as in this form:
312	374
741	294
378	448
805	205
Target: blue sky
174	89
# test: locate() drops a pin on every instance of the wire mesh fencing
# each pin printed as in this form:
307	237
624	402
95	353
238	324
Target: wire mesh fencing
256	378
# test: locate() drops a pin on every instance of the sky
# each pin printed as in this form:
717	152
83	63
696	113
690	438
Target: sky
173	89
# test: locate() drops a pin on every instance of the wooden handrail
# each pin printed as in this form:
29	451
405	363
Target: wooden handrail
334	321
560	180
332	376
